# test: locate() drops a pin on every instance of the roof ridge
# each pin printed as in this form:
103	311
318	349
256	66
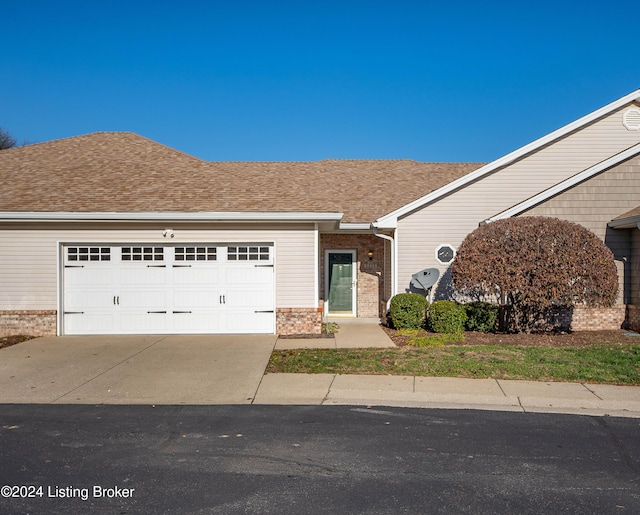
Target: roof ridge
65	138
119	133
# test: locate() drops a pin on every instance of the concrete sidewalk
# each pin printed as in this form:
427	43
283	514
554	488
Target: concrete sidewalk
434	392
354	333
447	392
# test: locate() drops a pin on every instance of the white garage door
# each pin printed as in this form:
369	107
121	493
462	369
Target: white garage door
162	289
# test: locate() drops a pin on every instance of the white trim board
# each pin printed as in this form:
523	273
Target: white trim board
567	184
391	220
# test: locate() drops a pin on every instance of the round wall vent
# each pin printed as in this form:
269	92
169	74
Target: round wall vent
631	119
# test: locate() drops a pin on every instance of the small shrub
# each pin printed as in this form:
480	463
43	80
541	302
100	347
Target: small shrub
446	316
408	311
330	327
481	316
421	338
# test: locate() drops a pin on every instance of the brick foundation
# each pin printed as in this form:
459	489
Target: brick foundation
44	323
633	317
33	323
589	319
298	320
598	319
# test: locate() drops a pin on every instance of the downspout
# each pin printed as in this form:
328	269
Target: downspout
375	232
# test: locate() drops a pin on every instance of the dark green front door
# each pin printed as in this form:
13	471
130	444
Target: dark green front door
341	283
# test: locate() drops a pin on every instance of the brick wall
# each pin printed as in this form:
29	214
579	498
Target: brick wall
44	323
633	317
33	323
589	319
370	272
298	320
598	319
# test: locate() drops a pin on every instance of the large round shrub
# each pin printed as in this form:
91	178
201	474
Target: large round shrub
408	311
446	316
533	264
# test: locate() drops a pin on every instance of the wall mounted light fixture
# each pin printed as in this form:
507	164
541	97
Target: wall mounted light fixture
370	254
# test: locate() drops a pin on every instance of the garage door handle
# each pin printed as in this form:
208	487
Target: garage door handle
156	266
264	311
181	266
74	312
182	311
263	266
159	312
74	266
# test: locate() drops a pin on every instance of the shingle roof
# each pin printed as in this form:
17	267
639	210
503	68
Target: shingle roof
629	214
124	172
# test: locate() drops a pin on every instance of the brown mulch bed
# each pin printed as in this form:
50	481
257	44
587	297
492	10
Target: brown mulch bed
8	341
572	339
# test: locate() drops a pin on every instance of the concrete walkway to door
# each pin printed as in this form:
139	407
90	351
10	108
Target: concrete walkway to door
148	369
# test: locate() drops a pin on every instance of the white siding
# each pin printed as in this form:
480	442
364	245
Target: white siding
29	256
450	219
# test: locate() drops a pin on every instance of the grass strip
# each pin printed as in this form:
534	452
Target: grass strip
606	364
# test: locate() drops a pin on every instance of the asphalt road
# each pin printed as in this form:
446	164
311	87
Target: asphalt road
313	459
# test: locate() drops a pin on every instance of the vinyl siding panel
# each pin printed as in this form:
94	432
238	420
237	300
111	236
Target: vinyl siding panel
596	202
634	283
29	260
450	219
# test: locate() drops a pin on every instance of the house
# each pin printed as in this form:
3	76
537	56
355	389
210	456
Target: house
111	233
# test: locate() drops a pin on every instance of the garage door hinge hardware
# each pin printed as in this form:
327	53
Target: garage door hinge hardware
116	300
223	299
264	311
182	311
74	312
160	312
156	266
263	266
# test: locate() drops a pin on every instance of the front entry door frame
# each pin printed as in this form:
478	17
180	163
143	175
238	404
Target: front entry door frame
354	282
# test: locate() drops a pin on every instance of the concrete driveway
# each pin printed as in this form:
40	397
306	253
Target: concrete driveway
149	369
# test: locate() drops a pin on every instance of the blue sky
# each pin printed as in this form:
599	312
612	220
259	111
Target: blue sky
305	80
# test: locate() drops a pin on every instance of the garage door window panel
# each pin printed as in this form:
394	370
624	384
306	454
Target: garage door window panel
83	254
195	254
142	254
249	253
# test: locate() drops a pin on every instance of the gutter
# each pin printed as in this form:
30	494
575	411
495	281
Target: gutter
632	222
169	216
394	251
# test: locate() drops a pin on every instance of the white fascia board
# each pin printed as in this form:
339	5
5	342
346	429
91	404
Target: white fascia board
632	222
390	220
567	184
169	216
352	226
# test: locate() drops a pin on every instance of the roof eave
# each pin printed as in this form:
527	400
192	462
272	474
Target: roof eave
171	216
391	219
632	222
567	184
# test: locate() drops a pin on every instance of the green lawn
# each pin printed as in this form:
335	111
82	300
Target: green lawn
608	364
